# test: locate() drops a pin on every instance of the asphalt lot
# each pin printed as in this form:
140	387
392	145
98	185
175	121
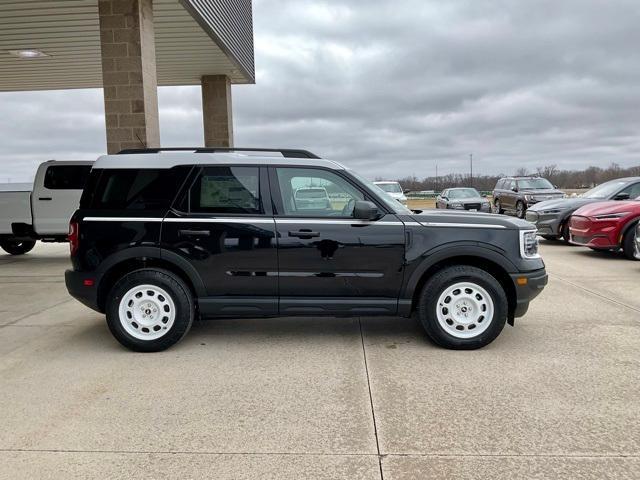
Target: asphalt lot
558	396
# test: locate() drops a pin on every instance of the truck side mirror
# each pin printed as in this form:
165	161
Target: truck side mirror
514	189
365	210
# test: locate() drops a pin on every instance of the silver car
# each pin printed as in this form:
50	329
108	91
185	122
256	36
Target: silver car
463	199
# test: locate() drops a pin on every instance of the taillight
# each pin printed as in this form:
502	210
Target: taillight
73	237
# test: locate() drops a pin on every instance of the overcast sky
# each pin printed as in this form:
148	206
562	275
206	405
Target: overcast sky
392	87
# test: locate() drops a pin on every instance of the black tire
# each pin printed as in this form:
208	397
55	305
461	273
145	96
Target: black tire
177	291
521	209
551	238
498	207
564	231
629	243
17	247
434	288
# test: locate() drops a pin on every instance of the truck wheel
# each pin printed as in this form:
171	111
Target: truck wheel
520	209
149	310
463	308
498	206
17	247
630	247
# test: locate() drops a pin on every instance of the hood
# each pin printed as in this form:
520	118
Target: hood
468	200
611	206
395	194
562	204
472	218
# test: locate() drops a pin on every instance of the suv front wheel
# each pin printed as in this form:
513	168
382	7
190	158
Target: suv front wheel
463	307
150	310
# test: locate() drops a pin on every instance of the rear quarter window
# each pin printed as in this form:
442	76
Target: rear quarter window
133	189
66	177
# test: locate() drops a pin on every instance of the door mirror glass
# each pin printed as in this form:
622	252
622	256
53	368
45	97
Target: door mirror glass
622	196
514	189
365	210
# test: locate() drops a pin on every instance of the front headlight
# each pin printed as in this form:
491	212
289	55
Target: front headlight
610	216
528	198
529	244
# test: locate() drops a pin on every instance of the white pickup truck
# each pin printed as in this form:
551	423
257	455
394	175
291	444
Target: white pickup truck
41	211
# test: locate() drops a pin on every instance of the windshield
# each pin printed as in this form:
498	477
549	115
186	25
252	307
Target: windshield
464	193
390	187
394	205
605	190
535	184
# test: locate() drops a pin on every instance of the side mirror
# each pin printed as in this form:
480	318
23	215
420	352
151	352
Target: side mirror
365	210
622	196
514	189
406	191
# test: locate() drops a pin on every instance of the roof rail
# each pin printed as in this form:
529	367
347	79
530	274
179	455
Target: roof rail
286	152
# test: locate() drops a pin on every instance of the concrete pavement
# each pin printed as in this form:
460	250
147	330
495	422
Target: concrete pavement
554	397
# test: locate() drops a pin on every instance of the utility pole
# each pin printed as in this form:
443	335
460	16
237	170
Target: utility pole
471	169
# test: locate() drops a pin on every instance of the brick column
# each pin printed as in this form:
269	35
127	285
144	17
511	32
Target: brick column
216	111
129	74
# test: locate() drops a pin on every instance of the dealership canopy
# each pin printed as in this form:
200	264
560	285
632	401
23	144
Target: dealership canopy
129	47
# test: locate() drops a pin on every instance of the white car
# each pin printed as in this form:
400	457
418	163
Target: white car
41	211
393	189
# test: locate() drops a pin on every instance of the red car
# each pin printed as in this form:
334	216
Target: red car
607	226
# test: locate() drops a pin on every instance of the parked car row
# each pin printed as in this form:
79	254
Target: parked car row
604	218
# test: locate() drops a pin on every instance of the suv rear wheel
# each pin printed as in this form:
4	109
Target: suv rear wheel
463	308
149	310
520	209
17	247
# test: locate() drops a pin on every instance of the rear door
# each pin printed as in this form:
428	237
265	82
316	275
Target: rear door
223	227
56	195
330	263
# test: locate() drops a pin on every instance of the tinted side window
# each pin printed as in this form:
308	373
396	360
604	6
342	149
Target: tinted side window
66	177
226	190
136	189
310	192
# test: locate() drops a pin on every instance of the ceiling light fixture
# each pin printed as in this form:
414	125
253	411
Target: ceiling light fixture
28	53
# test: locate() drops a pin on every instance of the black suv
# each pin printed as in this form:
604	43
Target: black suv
516	194
163	237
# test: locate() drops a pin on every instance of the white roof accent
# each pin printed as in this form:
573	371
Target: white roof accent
173	159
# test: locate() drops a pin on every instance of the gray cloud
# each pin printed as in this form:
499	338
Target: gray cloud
391	88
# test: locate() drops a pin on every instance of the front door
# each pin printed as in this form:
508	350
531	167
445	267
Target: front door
224	229
330	263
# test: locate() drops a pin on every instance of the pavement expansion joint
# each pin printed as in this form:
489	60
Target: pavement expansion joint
373	411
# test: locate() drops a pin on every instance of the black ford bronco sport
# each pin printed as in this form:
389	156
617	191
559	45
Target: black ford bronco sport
165	236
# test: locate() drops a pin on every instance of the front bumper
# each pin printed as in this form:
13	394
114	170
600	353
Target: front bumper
78	289
528	286
547	224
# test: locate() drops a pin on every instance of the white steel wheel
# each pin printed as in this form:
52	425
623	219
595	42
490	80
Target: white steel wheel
146	312
465	310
